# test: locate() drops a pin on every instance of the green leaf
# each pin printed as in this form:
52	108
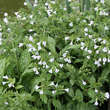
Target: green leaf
79	95
44	98
51	44
24	61
57	103
2	67
19	86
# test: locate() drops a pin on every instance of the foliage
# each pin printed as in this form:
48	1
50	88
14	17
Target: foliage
55	59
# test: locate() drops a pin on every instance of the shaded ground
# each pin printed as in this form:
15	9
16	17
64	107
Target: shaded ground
10	6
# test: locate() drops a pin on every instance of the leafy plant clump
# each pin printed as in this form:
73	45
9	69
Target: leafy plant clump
54	57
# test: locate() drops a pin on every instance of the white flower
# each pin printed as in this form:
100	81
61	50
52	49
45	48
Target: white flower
90	36
64	55
47	66
104	49
31	39
104	59
6	103
88	57
104	41
20	45
10	85
5	77
44	63
39	48
25	3
99	39
96	103
83	82
41	92
5	20
40	63
97	63
108	60
95	46
52	84
96	91
97	51
106	28
44	43
50	71
51	60
34	57
78	39
4	83
82	43
53	92
46	4
61	65
65	9
56	70
107	95
67	38
86	34
67	90
5	14
38	57
89	51
37	87
71	24
86	29
102	1
108	51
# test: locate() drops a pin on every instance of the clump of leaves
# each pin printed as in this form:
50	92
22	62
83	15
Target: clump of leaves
59	58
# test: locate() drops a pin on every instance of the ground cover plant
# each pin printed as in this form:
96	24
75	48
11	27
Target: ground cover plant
54	57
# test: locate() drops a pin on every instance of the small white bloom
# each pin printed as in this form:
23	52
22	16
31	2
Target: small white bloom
10	85
96	103
39	48
31	39
5	77
88	57
107	95
41	92
90	36
67	38
56	70
104	41
25	3
104	59
96	91
53	92
95	46
51	60
50	71
89	51
71	24
37	87
106	28
6	103
5	14
5	20
86	29
44	43
97	51
52	84
102	1
47	66
4	83
108	60
83	82
61	65
20	45
104	49
67	90
40	63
